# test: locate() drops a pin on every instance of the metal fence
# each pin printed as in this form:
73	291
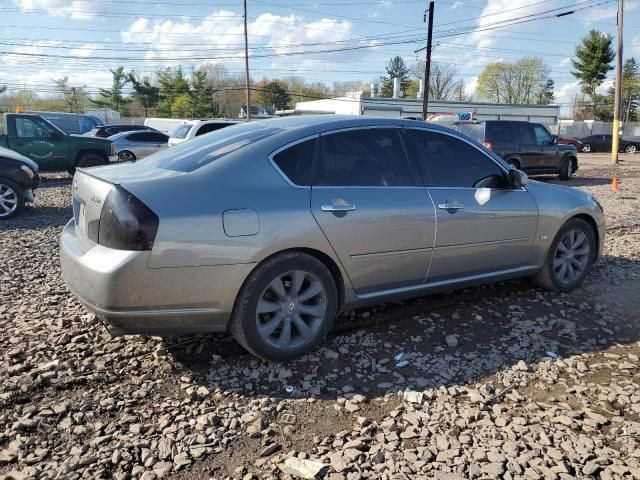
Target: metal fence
573	129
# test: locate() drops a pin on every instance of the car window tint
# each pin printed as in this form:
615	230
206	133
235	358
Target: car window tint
295	161
542	136
157	137
196	153
367	157
526	134
498	132
210	127
451	162
138	137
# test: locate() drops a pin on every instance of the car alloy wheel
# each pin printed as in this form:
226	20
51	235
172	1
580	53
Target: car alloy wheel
586	148
291	309
630	148
126	157
571	257
8	200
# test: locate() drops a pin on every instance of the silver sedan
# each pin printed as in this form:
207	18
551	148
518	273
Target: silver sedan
269	229
134	145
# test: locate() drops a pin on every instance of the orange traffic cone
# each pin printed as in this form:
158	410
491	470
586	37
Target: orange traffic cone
614	184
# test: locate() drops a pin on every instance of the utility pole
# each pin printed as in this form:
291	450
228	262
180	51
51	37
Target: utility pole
246	62
616	106
427	66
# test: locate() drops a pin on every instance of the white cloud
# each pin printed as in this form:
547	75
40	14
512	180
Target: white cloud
457	4
220	32
382	5
470	86
565	62
26	53
76	9
84	51
597	14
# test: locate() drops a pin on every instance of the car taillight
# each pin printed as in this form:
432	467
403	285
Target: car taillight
488	144
126	223
113	148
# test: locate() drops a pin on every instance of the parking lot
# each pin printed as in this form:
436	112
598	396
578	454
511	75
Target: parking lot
502	381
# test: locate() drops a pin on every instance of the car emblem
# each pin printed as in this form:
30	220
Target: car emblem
292	307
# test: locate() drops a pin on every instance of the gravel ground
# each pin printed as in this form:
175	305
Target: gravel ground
475	393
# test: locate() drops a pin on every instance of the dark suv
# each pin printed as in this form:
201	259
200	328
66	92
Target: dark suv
530	147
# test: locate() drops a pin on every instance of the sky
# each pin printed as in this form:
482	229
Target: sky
319	40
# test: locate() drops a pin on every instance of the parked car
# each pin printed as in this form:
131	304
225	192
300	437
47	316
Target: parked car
530	147
337	212
131	146
106	131
195	128
18	181
51	148
602	143
570	141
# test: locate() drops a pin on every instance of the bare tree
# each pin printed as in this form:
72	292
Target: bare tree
444	83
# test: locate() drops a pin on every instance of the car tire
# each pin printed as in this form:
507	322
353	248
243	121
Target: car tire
126	156
11	199
566	170
586	147
630	148
560	271
91	160
274	318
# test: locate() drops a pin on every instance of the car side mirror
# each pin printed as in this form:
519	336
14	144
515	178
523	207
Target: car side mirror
517	178
554	140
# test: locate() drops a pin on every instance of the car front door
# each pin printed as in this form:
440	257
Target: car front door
371	203
483	226
36	139
550	157
607	140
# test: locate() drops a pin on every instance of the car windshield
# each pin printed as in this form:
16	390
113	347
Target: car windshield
181	131
201	151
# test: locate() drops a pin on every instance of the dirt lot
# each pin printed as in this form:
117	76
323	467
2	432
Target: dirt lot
490	402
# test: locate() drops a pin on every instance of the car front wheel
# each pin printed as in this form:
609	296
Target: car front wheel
586	148
286	307
11	199
570	257
566	171
631	148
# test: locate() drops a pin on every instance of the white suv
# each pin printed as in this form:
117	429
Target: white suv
194	128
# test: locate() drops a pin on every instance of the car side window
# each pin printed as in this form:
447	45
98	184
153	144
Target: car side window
295	161
542	136
210	127
526	134
157	137
372	157
30	128
453	163
138	137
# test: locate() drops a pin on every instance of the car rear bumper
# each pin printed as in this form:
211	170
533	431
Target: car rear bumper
132	298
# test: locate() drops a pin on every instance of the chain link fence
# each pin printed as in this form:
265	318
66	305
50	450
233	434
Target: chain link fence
574	129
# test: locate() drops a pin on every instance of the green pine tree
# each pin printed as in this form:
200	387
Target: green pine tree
396	68
593	61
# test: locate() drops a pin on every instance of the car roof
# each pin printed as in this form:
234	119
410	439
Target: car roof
324	122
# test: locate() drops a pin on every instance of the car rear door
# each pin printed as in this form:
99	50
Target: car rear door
530	154
483	226
370	201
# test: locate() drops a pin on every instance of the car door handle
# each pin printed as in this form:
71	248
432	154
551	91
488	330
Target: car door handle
337	208
450	206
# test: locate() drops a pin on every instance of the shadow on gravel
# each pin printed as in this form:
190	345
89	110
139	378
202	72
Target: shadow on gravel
38	218
47	182
495	326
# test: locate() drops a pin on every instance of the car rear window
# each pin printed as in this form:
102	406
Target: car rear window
501	133
201	151
181	131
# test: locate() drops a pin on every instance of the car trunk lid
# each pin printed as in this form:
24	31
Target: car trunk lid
88	196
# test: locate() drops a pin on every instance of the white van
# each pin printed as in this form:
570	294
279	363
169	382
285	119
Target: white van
165	125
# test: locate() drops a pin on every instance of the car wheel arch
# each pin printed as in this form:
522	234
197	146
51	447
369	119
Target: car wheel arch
82	153
326	260
592	223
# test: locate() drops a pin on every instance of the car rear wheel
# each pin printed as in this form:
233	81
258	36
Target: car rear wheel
570	257
286	307
11	199
586	148
631	148
566	171
126	156
90	160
